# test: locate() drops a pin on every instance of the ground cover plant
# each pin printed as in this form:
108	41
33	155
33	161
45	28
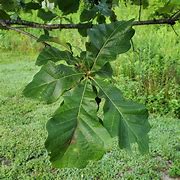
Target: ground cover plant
88	128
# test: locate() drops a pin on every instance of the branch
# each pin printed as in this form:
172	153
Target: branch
169	21
23	32
28	24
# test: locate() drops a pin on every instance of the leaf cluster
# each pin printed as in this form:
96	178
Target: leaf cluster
92	109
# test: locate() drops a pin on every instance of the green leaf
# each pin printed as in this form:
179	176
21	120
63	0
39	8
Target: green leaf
83	32
87	15
55	55
46	15
32	6
107	41
68	6
51	82
9	5
4	15
75	135
101	9
123	118
47	38
104	8
101	19
106	71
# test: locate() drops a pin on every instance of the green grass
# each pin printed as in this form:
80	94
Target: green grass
22	136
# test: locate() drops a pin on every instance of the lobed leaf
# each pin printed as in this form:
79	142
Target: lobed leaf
68	6
9	5
53	54
32	6
46	15
4	15
104	8
107	41
106	71
87	15
75	135
54	39
51	82
123	118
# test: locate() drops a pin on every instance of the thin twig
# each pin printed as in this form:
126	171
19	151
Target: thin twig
176	15
25	33
175	31
132	44
140	9
168	21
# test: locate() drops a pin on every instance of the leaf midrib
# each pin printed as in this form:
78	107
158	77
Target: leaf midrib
80	104
50	82
79	110
115	107
104	46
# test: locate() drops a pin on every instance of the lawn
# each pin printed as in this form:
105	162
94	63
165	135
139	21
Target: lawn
22	134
